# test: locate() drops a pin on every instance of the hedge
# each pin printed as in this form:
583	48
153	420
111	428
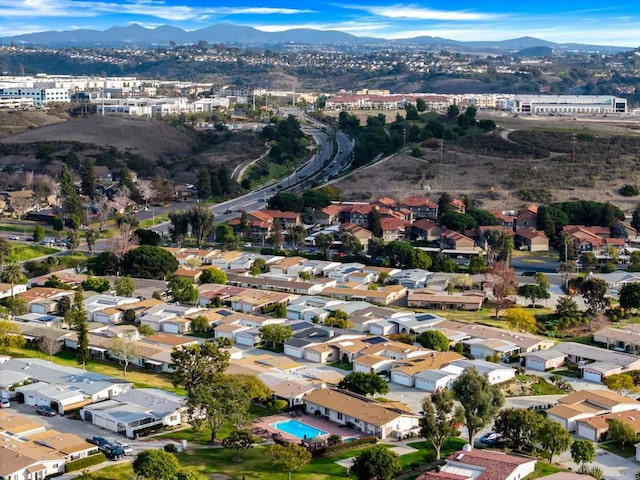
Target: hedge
84	462
339	447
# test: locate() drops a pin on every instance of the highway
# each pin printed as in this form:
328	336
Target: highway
324	164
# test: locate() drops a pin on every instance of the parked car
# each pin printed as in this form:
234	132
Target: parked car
490	438
4	403
110	451
97	441
228	211
45	410
126	448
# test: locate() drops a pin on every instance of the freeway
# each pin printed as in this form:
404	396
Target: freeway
324	164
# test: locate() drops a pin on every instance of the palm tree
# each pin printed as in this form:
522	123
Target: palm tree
12	273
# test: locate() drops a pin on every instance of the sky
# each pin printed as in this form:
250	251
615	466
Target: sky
585	21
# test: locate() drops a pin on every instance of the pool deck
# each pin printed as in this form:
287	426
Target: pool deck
315	422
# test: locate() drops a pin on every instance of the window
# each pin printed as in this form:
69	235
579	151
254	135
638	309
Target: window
339	416
326	411
356	420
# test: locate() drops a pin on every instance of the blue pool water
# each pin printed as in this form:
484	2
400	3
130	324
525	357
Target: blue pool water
298	429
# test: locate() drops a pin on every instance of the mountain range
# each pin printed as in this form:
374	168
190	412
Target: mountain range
238	35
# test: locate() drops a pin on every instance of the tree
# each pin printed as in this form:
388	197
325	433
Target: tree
439	420
324	242
288	457
38	233
566	307
338	319
620	382
96	284
149	262
124	240
480	400
71	203
553	438
477	265
214	275
90	236
145	330
279	310
179	227
350	243
277	234
200	324
275	334
583	452
12	273
50	346
221	402
593	291
503	284
364	383
533	292
434	339
5	251
204	184
225	236
73	240
255	388
199	364
78	318
630	295
238	440
189	474
88	178
148	237
124	286
10	335
621	432
518	426
499	246
201	220
182	290
589	260
522	320
125	349
376	463
296	235
156	465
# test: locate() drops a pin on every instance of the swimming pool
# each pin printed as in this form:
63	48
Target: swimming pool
298	429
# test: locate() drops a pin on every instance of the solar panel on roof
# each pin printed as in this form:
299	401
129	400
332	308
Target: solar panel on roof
374	340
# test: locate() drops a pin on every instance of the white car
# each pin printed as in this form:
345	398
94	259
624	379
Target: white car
128	451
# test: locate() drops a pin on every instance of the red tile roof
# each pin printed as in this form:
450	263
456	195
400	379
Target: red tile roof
497	465
418	202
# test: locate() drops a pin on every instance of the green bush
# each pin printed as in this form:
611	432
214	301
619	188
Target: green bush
170	448
340	447
629	191
85	462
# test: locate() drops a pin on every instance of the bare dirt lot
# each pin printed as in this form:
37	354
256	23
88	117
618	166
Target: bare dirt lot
528	160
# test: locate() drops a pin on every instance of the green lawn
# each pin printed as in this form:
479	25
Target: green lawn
342	365
26	228
614	447
22	253
543	469
256	466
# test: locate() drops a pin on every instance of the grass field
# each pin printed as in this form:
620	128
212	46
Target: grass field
616	448
543	469
22	253
256	466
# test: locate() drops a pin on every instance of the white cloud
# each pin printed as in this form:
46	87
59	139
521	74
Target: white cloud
407	12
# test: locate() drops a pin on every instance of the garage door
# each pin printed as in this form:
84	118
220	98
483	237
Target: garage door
592	377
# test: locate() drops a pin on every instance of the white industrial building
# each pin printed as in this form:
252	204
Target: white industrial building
40	96
567	104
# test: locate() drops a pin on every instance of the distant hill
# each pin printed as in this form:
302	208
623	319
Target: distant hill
535	52
230	34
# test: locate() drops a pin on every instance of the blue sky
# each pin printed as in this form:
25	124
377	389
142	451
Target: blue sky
586	21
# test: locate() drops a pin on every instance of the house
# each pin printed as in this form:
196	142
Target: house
595	428
137	410
281	267
412	278
593	239
387	295
393	229
425	298
405	373
594	363
494	372
545	360
458	205
362	234
71	446
27	461
527	218
589	403
292	392
356	213
193	275
625	339
95	304
450	239
420	206
168	317
328	215
532	240
63	388
305	337
425	230
368	416
475	464
6	289
44	300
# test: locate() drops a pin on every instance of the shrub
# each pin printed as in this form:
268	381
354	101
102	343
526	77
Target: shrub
340	447
170	448
629	191
85	462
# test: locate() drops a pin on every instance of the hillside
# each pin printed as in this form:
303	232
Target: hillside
148	138
12	122
530	161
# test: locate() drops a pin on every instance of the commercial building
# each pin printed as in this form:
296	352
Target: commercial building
567	104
